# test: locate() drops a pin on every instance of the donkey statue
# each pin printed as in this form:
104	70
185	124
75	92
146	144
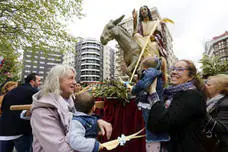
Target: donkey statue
131	50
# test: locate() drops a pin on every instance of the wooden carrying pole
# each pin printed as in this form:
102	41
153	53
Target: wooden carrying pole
98	104
144	47
21	107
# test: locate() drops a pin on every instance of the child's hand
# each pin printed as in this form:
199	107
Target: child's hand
126	83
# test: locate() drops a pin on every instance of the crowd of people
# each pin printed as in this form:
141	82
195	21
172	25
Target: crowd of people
176	118
187	115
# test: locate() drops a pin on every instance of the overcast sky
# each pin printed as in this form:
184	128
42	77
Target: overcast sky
196	21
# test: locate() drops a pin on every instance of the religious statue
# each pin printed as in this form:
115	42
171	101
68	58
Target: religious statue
147	39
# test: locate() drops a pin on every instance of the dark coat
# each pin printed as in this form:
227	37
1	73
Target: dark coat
10	121
220	115
183	120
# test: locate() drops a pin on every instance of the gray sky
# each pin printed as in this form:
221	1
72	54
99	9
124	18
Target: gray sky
196	21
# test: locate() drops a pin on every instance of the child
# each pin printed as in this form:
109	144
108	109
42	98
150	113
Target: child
83	127
151	70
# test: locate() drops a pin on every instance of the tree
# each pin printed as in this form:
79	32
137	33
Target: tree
37	24
212	66
10	67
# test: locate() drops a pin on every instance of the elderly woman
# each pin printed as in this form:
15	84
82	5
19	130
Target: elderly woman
217	108
184	112
52	109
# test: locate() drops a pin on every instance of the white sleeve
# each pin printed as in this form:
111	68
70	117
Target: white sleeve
22	115
77	138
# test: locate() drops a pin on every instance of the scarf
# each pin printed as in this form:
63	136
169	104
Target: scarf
172	90
211	102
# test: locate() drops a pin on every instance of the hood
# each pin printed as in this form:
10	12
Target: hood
54	101
50	100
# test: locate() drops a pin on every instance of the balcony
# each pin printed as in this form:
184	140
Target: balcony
90	64
86	69
91	58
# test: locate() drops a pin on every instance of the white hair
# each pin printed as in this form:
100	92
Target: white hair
52	83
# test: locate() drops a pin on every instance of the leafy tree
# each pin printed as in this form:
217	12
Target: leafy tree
10	67
212	66
37	24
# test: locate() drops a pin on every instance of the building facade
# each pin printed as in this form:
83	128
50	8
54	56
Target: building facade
89	61
218	46
108	62
40	62
69	58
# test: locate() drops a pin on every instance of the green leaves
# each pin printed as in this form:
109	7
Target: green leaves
112	88
212	66
37	24
34	25
10	66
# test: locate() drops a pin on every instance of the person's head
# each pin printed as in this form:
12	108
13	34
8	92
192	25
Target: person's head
217	85
151	62
33	79
185	71
84	102
78	87
9	86
144	12
60	80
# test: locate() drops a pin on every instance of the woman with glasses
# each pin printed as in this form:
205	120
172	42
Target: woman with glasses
217	108
184	113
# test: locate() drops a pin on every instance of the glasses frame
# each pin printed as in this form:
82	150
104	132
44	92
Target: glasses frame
178	69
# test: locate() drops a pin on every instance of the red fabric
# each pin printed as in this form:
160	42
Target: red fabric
99	112
125	120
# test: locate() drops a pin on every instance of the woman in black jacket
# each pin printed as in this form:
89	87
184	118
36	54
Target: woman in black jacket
217	108
184	112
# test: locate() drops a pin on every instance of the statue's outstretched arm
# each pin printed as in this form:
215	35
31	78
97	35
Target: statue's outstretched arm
134	16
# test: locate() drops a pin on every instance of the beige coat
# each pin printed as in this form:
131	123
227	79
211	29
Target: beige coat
50	123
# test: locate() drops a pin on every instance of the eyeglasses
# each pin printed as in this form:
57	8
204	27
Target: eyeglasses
178	69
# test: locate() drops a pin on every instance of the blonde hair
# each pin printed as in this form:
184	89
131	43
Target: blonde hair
151	62
221	83
52	81
156	62
7	85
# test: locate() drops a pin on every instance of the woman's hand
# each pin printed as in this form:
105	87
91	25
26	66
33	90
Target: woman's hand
105	128
152	87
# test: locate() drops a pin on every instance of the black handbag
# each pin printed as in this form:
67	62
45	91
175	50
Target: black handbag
210	138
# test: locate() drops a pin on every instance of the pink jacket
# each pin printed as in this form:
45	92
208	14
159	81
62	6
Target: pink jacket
50	122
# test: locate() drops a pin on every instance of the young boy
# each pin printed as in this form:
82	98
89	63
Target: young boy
151	71
83	127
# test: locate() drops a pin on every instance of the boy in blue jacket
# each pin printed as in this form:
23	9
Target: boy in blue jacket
150	71
83	127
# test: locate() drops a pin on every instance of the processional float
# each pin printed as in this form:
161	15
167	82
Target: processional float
131	65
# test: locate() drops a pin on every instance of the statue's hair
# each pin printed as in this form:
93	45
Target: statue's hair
52	81
149	13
